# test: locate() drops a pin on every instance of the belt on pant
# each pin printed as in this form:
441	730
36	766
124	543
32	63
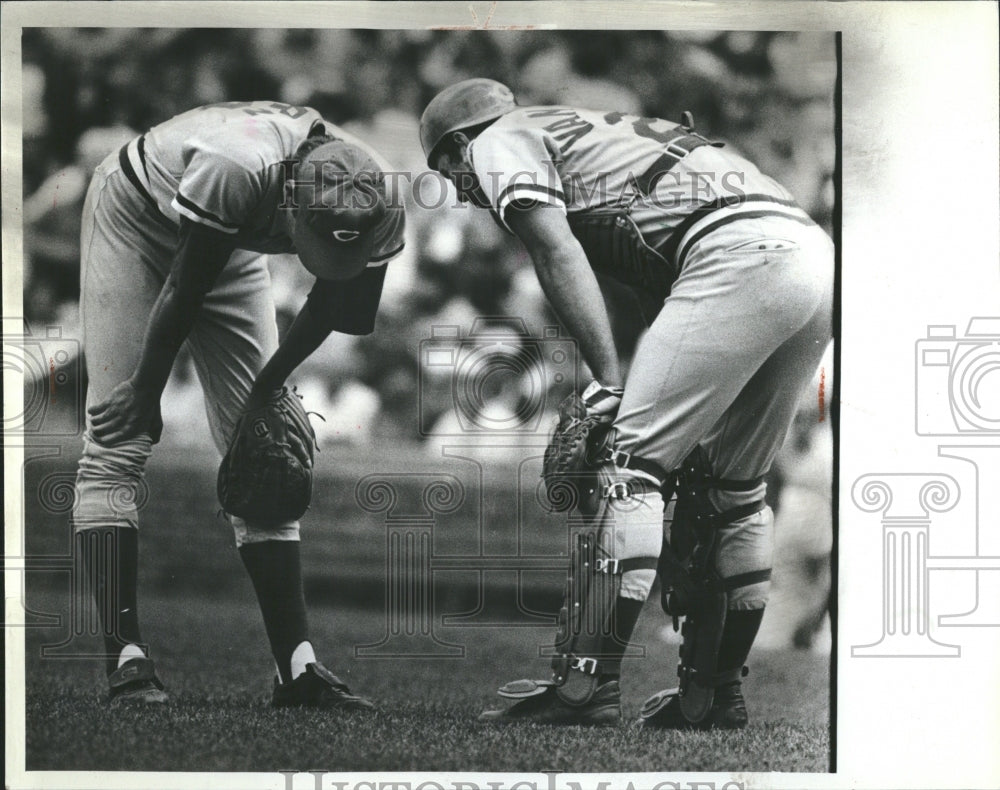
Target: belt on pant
711	216
132	159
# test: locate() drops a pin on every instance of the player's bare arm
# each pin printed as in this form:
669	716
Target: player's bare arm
570	285
131	406
311	326
305	335
347	306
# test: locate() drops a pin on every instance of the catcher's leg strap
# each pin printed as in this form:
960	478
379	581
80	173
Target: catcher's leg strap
696	473
698	533
688	552
743	558
586	626
630	523
644	467
684	559
718	592
616	556
582	645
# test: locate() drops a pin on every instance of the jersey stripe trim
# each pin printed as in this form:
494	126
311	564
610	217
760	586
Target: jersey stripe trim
141	146
197	214
711	226
530	192
125	162
723	211
136	153
702	211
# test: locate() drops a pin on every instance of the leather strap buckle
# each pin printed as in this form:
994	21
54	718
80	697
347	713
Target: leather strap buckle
619	490
620	458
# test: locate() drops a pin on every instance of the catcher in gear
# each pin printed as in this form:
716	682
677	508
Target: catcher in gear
736	283
176	229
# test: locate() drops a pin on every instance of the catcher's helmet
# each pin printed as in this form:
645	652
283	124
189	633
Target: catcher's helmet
461	105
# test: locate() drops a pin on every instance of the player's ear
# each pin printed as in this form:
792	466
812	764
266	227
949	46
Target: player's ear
288	194
461	142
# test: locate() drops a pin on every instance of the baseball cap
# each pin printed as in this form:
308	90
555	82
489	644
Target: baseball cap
339	208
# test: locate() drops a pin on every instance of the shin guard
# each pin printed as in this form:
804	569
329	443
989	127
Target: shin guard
694	588
586	645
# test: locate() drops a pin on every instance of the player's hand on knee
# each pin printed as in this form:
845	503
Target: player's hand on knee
127	412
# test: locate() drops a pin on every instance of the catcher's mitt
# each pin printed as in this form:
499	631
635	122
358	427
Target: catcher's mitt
575	450
266	474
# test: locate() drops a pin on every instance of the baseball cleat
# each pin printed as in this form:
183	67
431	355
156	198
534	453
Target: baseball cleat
728	711
135	682
603	709
317	687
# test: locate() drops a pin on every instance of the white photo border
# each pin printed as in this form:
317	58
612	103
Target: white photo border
920	247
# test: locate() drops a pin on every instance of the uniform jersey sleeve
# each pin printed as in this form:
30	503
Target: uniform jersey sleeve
517	166
348	306
217	191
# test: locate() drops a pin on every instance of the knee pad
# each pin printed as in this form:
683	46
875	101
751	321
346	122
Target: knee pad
110	483
716	561
634	523
733	545
743	559
247	532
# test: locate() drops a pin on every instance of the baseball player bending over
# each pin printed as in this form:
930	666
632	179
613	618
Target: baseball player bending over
738	281
162	221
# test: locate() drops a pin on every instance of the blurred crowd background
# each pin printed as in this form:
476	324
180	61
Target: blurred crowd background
88	91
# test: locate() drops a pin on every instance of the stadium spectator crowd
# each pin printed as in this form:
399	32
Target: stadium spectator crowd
88	90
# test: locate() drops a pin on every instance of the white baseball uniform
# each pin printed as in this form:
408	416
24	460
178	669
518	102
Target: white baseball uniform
222	166
743	283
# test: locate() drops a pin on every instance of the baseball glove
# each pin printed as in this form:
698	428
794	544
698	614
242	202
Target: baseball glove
266	474
574	452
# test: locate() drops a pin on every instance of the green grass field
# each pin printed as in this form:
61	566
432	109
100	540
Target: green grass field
200	618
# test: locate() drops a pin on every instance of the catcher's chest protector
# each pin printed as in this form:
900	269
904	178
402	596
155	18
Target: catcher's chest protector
615	247
610	237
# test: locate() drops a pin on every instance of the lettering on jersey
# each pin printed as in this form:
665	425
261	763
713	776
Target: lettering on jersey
261	108
567	130
644	127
